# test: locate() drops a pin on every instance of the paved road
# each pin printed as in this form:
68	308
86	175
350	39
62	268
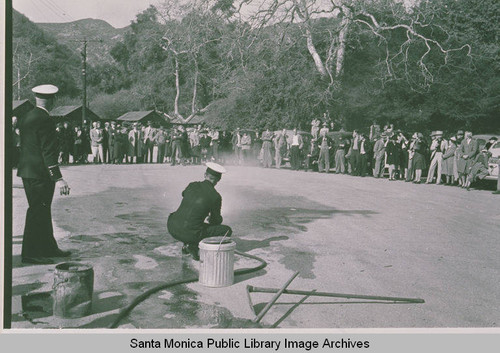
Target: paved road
343	234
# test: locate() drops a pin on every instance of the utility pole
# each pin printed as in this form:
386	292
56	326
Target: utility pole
18	83
84	75
84	81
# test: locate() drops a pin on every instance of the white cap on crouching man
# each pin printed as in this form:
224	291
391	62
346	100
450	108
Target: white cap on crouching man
215	169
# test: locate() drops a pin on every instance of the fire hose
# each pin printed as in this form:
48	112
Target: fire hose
128	309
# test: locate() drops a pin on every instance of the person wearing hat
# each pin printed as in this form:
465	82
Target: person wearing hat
149	133
236	142
438	146
341	145
160	139
354	154
39	170
267	158
479	168
325	144
379	155
199	201
449	163
391	156
468	150
296	144
492	140
97	138
111	132
214	144
105	142
418	163
411	152
315	123
324	130
135	144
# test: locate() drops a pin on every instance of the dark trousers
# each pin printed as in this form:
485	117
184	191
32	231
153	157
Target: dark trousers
111	154
295	157
161	153
15	156
192	239
355	162
65	157
176	151
363	164
38	238
324	160
77	153
105	153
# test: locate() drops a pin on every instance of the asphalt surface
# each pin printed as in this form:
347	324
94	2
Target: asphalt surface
344	234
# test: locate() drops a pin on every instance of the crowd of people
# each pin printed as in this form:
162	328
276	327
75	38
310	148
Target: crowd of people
388	152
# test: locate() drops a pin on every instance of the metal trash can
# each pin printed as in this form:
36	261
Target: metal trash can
72	290
216	262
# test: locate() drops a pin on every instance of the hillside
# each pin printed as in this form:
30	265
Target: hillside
38	57
100	34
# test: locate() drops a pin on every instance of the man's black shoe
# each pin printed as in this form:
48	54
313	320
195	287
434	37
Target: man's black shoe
37	260
61	253
194	251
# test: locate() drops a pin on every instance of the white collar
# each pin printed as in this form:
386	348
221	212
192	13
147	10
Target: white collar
43	108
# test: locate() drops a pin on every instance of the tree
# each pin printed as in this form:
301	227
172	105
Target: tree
409	26
188	32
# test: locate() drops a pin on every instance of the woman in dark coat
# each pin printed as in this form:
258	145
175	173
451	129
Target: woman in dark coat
392	154
121	143
77	145
168	145
448	168
418	163
403	144
86	150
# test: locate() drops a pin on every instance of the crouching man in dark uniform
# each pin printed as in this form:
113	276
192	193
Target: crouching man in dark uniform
199	201
39	169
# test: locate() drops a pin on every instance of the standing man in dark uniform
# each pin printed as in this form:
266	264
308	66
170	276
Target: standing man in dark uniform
39	169
199	201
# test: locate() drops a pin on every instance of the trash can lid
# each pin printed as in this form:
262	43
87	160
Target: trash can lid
217	243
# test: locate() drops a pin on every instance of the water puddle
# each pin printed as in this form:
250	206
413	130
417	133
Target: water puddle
179	307
37	305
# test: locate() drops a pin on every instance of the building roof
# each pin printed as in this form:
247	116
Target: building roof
135	116
16	104
64	110
194	120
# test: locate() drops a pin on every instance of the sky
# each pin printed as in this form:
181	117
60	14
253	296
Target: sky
117	13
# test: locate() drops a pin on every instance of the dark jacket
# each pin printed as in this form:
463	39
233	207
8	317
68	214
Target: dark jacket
329	141
200	200
39	146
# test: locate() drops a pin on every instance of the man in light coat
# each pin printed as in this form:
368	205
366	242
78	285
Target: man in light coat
379	155
135	138
96	139
438	146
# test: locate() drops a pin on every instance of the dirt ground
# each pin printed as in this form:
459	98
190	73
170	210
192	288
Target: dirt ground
343	234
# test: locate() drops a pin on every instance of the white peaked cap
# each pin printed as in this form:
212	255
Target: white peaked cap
45	89
215	169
